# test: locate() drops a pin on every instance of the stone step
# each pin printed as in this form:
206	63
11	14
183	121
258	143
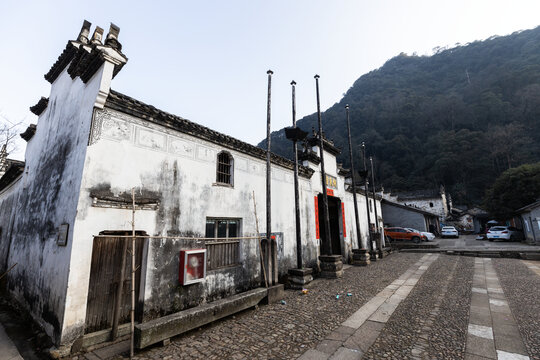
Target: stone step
165	327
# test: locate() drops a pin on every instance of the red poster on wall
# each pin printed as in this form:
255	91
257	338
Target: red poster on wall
317	235
343	218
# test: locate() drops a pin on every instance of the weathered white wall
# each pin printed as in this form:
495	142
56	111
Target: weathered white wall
436	205
8	205
180	171
48	198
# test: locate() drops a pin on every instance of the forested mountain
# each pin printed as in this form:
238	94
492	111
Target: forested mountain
459	117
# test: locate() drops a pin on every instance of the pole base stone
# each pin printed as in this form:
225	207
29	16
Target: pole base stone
360	257
299	278
331	266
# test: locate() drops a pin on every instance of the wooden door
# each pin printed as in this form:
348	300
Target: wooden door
105	275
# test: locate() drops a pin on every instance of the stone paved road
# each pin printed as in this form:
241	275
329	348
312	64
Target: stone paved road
431	318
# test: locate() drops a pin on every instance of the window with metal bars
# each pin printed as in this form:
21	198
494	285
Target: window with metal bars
222	244
224	172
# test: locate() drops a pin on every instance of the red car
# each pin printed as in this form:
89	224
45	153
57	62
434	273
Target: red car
399	233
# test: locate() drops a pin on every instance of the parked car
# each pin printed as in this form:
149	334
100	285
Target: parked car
449	231
504	233
426	236
399	233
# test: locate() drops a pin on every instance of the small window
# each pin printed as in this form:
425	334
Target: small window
370	206
222	228
223	247
430	204
224	173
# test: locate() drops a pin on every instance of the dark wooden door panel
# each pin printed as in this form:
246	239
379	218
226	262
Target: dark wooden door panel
105	278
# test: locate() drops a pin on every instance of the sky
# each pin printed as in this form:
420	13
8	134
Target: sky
207	60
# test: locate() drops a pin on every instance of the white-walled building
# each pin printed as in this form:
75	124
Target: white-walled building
433	201
63	214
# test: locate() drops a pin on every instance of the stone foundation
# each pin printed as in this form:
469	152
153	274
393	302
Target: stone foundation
360	257
299	278
331	266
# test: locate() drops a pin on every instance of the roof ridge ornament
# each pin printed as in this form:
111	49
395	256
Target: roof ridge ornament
97	36
85	31
112	38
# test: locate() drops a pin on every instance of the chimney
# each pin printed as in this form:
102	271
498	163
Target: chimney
85	31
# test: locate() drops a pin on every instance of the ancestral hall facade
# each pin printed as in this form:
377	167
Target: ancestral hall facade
64	212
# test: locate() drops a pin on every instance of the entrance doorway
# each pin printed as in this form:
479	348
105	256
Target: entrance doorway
108	254
334	214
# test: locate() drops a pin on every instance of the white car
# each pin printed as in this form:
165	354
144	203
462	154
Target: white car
449	231
426	236
504	233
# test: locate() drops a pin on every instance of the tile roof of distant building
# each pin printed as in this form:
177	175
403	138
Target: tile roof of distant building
407	207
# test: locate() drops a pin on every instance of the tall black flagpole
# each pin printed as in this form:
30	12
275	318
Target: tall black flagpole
358	234
327	245
378	240
370	247
296	190
373	187
268	168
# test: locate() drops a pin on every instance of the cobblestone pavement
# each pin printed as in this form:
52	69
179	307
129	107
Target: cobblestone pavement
522	288
285	331
431	320
431	323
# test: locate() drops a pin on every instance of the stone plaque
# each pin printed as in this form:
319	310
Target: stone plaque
115	129
63	231
151	139
181	147
206	154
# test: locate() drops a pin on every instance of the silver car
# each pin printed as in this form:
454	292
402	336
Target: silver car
449	231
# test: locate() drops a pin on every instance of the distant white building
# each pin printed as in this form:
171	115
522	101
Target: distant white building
433	201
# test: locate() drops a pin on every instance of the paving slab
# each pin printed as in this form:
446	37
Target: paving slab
361	315
364	337
328	346
344	353
342	333
313	355
503	355
481	346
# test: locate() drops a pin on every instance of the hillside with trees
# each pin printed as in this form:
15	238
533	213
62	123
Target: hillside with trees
460	117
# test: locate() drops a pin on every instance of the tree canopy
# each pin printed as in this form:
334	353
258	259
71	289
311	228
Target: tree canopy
459	117
512	190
